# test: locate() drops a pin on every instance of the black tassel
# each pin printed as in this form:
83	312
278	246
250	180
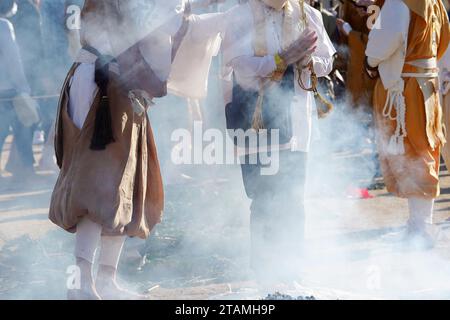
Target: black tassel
103	132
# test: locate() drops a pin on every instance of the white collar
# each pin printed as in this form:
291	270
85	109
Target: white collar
85	56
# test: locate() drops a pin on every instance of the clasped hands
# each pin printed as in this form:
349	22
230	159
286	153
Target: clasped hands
301	50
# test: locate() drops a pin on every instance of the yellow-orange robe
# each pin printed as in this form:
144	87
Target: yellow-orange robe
415	173
359	85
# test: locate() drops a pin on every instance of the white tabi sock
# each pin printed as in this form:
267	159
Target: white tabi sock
87	239
111	249
421	213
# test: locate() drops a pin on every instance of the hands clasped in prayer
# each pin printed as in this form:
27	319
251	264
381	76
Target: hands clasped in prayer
302	49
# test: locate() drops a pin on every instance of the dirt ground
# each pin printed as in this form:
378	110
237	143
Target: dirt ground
200	251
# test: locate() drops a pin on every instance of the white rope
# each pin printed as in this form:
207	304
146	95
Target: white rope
421	75
396	101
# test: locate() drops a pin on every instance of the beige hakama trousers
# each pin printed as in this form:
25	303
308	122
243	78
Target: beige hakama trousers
89	237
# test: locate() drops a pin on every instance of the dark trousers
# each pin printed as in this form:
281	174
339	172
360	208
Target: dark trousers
23	162
48	109
277	220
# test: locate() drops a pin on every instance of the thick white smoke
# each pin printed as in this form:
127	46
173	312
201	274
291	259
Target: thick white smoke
201	249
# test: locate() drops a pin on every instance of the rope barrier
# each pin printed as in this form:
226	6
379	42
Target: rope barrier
43	97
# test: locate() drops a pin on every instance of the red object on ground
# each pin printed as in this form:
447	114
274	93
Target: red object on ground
359	193
365	194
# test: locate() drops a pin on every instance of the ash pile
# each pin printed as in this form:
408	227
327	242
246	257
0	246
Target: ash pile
280	296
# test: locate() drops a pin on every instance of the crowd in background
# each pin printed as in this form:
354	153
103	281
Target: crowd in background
34	58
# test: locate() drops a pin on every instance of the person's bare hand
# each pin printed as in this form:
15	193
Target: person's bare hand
363	5
301	49
340	26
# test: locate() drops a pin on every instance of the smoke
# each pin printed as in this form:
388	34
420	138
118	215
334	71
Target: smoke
201	250
351	246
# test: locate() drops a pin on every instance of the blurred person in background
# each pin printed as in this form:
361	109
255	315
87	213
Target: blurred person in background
18	111
354	33
444	77
60	33
27	26
56	62
355	89
328	16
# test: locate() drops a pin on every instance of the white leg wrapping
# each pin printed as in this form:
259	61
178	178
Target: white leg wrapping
87	239
421	212
111	249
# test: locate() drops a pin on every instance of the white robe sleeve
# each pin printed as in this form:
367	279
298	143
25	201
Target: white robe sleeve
324	56
190	69
207	25
388	41
254	67
391	34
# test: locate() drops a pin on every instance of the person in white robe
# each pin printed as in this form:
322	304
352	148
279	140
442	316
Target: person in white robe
266	46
